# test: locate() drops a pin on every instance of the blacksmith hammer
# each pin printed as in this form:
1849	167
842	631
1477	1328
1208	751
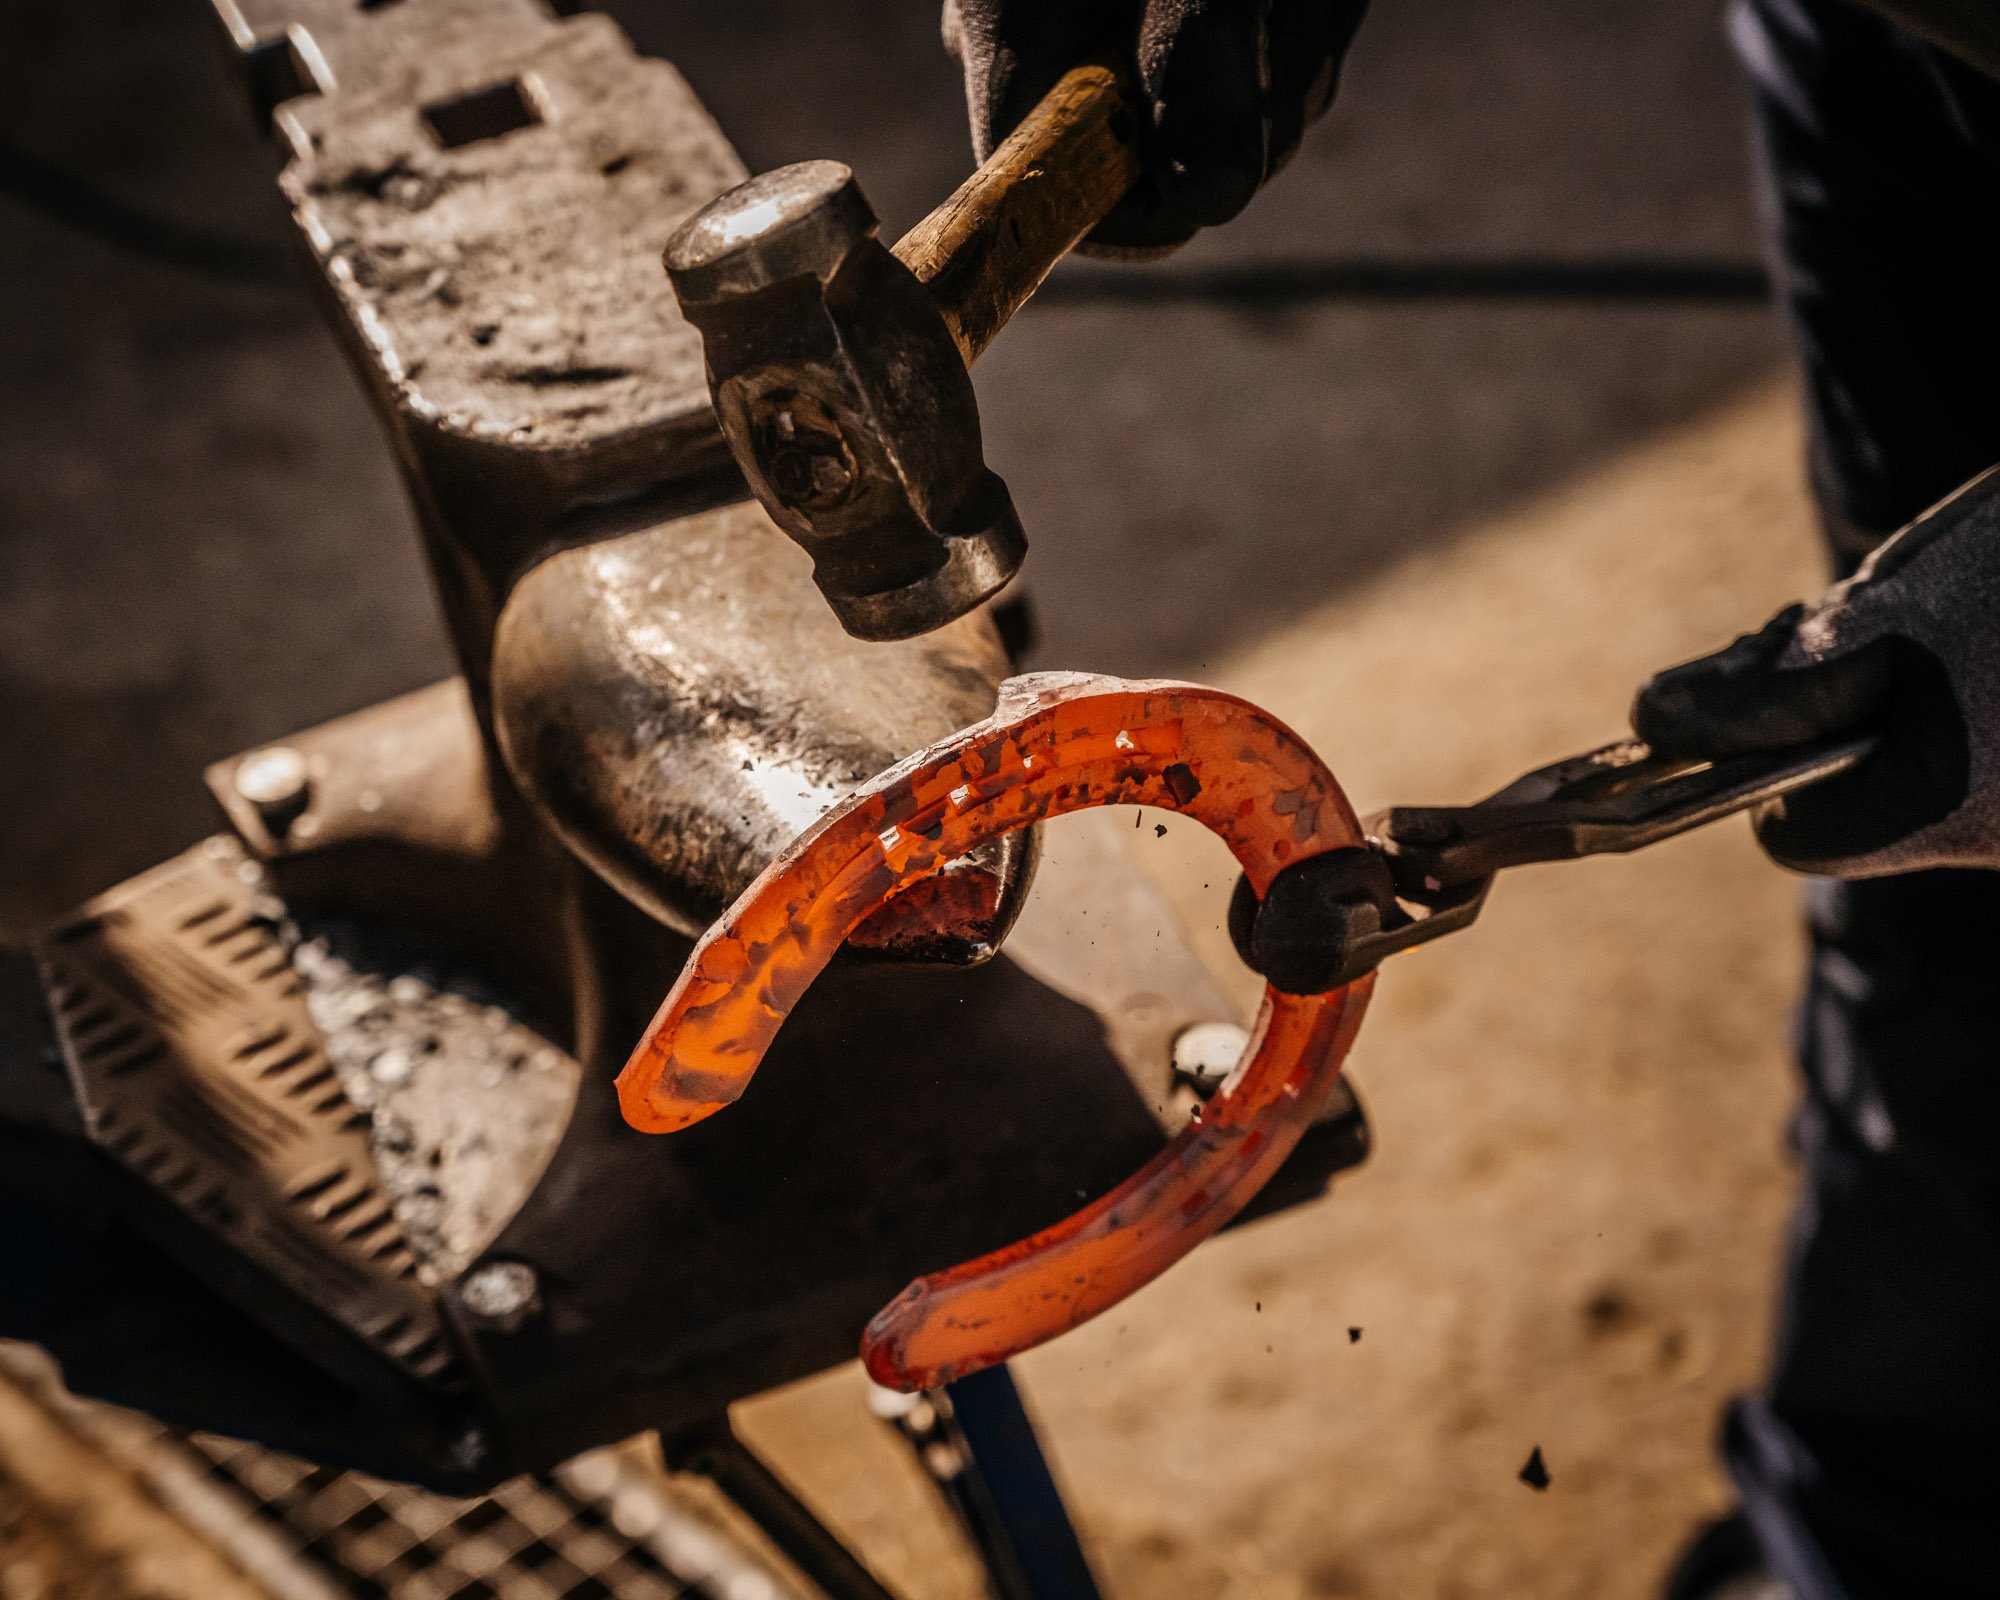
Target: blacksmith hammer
839	367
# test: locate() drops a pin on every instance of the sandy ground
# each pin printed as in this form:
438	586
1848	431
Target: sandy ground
1443	540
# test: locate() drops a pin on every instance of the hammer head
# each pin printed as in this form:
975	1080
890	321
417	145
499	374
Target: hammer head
845	400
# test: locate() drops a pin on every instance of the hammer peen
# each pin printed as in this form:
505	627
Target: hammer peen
839	367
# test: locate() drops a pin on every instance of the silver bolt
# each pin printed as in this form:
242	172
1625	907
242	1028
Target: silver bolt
890	1404
276	782
1207	1052
503	1294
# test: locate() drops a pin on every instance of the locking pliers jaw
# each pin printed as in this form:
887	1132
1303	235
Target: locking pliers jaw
1332	918
1425	871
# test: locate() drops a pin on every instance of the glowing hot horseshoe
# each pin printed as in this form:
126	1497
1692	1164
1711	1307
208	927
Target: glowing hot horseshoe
1057	742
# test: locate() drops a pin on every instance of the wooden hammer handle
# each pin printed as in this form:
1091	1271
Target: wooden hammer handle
988	248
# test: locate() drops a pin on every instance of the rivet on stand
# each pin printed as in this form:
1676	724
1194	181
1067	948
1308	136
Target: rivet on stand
276	782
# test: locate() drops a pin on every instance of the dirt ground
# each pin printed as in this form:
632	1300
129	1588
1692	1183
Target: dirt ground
1442	540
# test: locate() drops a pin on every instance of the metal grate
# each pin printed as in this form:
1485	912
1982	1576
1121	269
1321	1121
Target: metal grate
610	1525
530	1539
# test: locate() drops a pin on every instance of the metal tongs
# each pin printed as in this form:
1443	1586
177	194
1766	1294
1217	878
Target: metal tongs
1425	871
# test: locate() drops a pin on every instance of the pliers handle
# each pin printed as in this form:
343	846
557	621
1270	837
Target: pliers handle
1425	871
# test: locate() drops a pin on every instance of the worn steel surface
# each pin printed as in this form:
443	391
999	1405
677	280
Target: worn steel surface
679	717
485	189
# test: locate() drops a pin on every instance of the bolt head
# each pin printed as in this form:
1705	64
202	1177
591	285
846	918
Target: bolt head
1207	1052
276	782
501	1294
892	1404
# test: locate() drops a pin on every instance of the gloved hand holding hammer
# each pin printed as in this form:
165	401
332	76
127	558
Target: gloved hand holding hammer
1229	87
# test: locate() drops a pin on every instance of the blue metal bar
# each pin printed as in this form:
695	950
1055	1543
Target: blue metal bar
1015	1494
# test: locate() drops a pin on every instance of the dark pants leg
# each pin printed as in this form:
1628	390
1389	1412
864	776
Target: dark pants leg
1871	1466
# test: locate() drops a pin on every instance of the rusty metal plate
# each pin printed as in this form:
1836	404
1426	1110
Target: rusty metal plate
198	1068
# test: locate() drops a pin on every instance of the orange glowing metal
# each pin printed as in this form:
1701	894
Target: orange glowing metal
1057	742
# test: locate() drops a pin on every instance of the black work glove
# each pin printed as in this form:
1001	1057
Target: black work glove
1909	647
1230	84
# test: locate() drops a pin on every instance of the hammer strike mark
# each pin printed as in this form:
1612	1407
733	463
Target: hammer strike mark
555	377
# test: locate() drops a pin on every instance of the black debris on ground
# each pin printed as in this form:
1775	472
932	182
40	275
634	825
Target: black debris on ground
1536	1473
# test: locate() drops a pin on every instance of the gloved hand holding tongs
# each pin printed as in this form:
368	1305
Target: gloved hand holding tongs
1860	729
